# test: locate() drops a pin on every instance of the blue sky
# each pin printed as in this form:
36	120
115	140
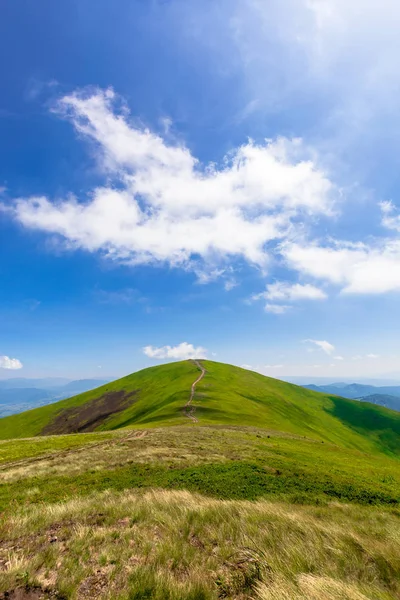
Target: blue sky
215	178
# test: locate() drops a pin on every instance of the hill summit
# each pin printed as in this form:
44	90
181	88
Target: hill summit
203	392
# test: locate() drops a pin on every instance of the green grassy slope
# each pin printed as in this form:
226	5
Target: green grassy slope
227	395
161	394
276	492
118	515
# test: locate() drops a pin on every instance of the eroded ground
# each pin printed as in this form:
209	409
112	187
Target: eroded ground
90	415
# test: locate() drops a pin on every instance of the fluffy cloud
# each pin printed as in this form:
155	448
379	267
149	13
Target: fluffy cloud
356	268
323	345
284	291
340	58
10	363
182	351
160	205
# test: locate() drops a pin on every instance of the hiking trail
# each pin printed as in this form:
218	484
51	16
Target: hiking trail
189	409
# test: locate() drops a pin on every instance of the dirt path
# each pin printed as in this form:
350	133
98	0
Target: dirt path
189	409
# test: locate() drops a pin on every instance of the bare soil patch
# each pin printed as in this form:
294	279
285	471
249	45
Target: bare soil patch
28	593
81	419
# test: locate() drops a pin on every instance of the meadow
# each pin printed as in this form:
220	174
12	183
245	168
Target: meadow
197	513
274	493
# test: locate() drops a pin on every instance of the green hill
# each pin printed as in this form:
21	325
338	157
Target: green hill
226	395
248	489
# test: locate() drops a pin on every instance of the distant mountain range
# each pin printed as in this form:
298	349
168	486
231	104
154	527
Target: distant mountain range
388	395
19	394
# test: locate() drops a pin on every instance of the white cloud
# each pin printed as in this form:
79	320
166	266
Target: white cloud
284	291
338	358
356	268
273	366
160	205
182	351
230	284
323	345
372	355
276	309
340	58
390	219
10	363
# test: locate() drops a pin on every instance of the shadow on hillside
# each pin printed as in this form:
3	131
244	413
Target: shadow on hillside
368	419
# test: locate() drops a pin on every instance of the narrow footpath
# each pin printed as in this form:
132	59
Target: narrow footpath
189	409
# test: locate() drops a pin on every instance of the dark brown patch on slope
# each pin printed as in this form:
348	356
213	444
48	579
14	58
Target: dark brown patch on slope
29	593
90	415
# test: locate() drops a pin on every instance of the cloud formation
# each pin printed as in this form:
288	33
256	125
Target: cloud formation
276	309
161	205
283	291
357	268
323	345
10	363
182	351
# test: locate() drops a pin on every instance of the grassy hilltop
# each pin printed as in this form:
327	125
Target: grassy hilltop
275	493
227	395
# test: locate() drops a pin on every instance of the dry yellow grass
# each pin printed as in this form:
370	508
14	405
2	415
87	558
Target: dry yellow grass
174	545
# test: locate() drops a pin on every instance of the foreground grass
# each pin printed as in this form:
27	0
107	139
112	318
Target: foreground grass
197	513
21	449
175	545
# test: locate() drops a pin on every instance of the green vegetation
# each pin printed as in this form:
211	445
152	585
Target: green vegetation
118	515
167	545
227	395
12	450
226	463
160	394
275	493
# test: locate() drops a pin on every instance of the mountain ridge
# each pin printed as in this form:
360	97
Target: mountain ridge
227	395
388	396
